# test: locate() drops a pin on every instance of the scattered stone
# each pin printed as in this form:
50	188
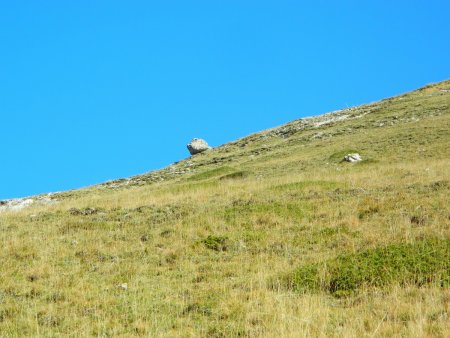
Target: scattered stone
330	119
318	135
352	158
84	212
74	211
197	146
418	220
123	286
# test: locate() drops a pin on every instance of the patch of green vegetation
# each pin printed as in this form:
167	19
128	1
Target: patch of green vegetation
211	173
426	261
235	175
307	184
332	231
216	243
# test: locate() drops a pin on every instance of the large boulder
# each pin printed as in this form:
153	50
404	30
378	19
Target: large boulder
197	145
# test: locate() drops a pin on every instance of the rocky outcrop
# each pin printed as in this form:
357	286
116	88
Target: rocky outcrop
17	204
197	145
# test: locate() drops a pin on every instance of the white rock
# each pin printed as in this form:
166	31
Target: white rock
123	286
197	145
16	204
352	157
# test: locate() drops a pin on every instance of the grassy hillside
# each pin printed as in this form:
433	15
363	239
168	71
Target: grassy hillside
270	235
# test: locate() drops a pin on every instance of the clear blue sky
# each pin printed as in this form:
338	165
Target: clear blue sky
96	90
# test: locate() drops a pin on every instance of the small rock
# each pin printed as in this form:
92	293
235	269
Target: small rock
84	212
318	135
74	211
352	158
123	286
197	145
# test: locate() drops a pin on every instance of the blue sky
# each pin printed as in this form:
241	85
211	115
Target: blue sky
96	90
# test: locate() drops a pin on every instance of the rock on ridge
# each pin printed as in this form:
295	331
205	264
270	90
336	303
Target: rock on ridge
17	204
197	145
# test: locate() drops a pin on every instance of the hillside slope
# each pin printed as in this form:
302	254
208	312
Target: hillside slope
272	234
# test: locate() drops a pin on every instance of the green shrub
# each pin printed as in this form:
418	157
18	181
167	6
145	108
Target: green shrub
217	243
423	262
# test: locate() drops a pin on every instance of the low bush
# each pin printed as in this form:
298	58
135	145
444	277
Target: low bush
425	261
217	243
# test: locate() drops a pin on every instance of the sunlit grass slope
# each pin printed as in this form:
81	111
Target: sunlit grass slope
272	235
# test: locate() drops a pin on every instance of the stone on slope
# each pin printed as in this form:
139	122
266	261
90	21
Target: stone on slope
353	157
197	145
